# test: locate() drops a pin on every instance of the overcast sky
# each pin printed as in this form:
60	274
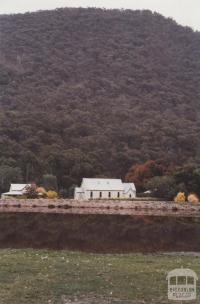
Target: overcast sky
185	12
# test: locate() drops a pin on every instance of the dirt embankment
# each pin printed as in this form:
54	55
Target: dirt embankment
99	233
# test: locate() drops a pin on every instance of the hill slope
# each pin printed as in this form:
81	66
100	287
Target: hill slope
88	91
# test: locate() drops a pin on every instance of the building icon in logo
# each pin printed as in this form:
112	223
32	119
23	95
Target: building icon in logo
182	284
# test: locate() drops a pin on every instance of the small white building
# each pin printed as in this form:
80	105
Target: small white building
16	190
104	188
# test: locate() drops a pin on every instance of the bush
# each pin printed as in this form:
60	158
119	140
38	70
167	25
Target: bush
63	193
193	198
52	194
30	191
41	191
180	198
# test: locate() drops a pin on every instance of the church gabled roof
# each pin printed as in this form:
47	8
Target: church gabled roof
102	184
129	186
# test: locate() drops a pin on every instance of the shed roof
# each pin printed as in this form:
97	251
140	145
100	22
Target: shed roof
18	187
102	184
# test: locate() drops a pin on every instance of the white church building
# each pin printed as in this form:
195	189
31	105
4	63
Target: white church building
104	188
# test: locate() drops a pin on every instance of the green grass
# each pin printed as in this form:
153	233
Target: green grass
39	277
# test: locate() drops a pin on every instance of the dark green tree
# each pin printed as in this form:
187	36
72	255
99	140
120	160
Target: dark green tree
189	176
63	193
9	175
50	182
163	187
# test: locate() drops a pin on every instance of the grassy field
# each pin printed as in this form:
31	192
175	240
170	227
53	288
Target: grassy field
39	277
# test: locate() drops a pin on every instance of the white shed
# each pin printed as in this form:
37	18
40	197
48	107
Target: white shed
15	190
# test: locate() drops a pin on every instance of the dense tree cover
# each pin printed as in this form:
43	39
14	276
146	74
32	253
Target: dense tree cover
184	179
90	92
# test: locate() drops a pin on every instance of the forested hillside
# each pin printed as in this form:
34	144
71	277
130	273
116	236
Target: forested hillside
90	92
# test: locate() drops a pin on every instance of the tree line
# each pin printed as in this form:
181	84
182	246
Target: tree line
90	92
162	180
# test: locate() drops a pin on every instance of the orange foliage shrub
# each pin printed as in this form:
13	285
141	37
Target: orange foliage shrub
52	194
193	198
41	192
180	198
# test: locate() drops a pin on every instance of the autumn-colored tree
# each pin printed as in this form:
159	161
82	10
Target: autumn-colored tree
52	194
141	173
193	198
180	198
